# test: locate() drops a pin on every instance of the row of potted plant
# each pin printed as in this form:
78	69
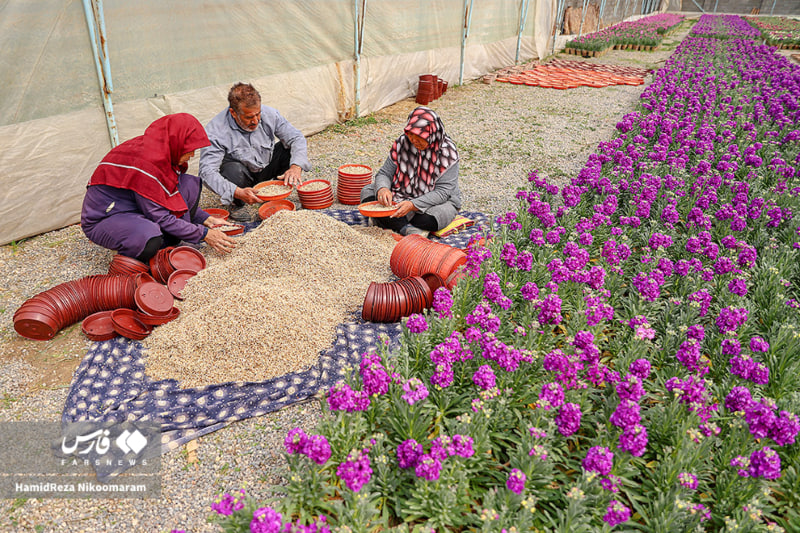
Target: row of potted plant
643	34
622	350
778	31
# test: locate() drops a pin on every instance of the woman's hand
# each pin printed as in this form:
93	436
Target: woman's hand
214	221
219	241
384	196
403	208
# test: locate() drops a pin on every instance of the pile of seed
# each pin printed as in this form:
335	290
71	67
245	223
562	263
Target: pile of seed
268	191
313	186
355	170
273	304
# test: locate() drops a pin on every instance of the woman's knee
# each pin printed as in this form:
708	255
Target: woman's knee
152	246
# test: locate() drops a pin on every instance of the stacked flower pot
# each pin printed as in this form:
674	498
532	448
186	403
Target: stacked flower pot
350	180
430	88
422	266
127	301
315	194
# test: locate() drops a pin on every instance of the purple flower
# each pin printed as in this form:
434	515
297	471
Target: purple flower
516	481
626	414
688	480
568	419
355	471
550	310
599	459
266	520
318	449
295	441
630	388
765	463
737	286
373	374
785	428
462	446
640	368
739	399
344	398
428	467
757	344
611	483
226	504
484	377
409	452
415	391
530	291
634	440
443	302
616	513
760	417
416	323
729	319
552	395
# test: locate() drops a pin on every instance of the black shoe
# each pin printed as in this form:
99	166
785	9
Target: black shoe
241	214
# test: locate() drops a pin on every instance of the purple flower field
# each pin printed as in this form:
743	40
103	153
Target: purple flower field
623	353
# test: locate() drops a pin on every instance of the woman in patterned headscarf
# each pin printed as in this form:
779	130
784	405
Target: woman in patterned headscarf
420	176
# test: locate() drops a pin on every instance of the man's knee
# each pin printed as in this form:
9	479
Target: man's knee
237	173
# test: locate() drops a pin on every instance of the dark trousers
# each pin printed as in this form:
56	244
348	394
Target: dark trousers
420	220
238	173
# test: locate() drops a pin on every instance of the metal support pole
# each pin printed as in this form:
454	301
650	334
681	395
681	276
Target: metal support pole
96	23
583	18
559	20
773	7
522	20
600	14
616	5
699	6
358	39
464	34
624	9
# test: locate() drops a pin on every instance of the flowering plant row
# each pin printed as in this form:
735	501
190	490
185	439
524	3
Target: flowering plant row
647	31
724	27
623	350
777	31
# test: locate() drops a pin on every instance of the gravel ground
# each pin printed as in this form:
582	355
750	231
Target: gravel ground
502	131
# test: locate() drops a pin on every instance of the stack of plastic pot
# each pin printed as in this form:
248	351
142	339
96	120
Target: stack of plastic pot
430	88
414	255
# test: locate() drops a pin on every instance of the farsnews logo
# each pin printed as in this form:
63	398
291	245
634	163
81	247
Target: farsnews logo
99	442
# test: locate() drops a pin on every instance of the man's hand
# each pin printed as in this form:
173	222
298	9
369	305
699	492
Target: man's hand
403	208
384	196
219	241
247	195
293	176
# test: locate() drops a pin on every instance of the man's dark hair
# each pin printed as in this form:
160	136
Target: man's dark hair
243	94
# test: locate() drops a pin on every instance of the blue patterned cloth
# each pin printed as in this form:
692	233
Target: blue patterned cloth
111	386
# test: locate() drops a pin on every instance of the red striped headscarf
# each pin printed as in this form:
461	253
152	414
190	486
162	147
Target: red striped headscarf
418	170
148	164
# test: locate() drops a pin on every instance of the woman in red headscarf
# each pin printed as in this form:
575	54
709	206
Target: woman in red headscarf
140	198
420	176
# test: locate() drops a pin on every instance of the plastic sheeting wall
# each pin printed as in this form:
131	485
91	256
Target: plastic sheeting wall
183	56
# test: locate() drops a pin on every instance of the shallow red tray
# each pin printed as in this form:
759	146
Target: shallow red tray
177	281
270	208
154	298
365	210
186	258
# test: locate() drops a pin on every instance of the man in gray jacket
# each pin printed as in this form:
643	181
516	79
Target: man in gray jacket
244	151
